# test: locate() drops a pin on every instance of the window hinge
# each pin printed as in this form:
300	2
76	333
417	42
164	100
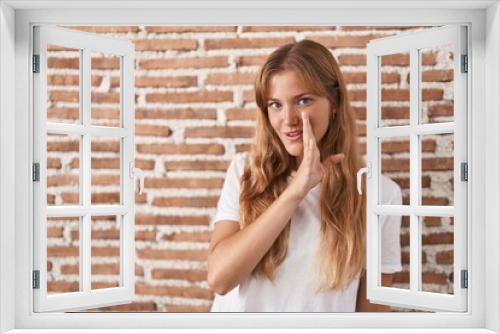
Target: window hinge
36	63
464	279
36	279
36	172
464	171
465	66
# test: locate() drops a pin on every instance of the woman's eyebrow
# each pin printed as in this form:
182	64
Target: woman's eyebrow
293	98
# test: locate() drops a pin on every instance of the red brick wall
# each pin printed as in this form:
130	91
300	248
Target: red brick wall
194	110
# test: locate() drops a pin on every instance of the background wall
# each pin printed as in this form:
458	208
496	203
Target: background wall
194	110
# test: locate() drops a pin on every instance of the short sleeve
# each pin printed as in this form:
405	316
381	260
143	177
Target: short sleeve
391	227
228	204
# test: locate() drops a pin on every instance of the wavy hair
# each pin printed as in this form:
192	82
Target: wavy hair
341	248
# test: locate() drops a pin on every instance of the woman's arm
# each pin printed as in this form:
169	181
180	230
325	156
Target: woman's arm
362	304
234	253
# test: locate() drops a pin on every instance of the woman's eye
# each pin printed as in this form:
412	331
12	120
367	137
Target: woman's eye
274	105
304	101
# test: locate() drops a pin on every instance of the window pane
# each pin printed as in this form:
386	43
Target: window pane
63	169
63	84
394	250
394	89
436	88
105	95
105	164
437	242
63	254
105	252
395	166
437	169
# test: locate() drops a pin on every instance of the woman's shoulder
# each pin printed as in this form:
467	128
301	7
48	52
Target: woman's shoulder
239	161
391	191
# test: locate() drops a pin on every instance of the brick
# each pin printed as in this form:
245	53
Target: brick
98	62
105	163
237	78
94	285
395	95
166	82
63	251
437	164
188	113
220	132
432	94
145	235
198	202
401	277
444	257
396	113
184	62
145	164
241	114
435	201
440	110
432	221
63	96
217	149
354	77
360	112
172	254
344	41
404	182
165	44
357	95
245	43
105	180
105	198
405	258
438	238
149	219
286	28
105	251
106	269
55	232
428	145
69	63
62	286
395	165
181	29
105	146
248	96
352	60
51	199
197	165
152	130
250	60
186	97
171	291
104	113
50	265
140	198
188	237
212	183
62	180
434	278
70	198
107	97
65	113
70	80
184	274
437	75
148	306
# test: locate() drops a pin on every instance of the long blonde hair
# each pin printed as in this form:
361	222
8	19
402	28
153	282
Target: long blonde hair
341	251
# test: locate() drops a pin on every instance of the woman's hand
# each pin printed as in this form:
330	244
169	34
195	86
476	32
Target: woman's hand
311	169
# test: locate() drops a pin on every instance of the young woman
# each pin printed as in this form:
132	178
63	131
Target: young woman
289	232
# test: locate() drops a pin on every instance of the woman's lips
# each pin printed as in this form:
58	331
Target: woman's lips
294	136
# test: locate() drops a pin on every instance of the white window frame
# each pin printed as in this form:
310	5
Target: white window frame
16	17
412	43
87	44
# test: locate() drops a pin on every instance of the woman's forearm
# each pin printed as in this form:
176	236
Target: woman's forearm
233	258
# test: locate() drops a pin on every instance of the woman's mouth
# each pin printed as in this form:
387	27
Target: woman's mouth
294	136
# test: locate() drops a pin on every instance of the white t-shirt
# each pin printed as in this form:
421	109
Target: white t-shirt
294	289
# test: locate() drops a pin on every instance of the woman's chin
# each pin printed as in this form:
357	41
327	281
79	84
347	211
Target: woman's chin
295	150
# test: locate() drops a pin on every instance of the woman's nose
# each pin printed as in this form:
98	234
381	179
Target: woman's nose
291	115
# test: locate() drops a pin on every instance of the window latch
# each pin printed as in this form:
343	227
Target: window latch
361	171
36	279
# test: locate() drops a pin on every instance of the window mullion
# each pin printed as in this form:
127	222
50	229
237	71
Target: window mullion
415	252
85	170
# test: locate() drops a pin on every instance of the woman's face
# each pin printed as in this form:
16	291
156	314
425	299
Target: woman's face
288	97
